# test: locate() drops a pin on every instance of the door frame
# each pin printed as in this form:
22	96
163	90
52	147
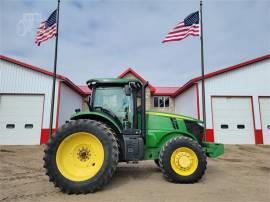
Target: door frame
31	94
261	112
235	96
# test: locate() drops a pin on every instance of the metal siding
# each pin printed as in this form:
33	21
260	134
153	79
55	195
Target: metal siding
69	101
186	103
15	79
250	81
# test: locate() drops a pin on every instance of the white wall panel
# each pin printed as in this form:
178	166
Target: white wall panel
186	103
69	101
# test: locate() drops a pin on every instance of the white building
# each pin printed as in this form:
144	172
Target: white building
237	102
25	97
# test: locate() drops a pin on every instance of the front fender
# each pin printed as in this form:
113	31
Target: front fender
155	139
98	116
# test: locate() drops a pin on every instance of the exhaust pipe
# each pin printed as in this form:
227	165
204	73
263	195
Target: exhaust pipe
143	119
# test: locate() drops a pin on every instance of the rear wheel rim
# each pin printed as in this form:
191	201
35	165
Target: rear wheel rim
184	161
80	156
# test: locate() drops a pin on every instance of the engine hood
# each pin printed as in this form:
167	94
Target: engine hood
171	115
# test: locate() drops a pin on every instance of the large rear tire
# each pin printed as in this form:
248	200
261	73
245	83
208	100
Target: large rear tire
81	157
182	160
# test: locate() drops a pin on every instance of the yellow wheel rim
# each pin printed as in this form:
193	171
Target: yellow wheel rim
184	161
80	156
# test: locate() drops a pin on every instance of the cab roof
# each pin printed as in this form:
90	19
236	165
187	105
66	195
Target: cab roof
111	81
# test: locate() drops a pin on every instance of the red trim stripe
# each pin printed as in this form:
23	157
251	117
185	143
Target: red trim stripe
45	135
209	135
198	100
258	136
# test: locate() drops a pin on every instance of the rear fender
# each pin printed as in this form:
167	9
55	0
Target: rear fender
99	116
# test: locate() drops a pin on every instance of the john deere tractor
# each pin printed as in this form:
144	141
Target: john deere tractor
83	154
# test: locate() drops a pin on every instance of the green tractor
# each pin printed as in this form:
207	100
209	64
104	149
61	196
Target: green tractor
83	154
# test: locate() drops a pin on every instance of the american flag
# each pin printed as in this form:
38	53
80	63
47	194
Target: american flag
189	27
47	29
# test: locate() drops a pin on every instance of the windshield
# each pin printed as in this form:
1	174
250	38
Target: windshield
115	100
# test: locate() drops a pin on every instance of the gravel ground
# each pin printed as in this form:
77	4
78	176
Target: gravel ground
242	174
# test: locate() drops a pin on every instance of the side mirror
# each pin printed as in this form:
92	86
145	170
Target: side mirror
127	90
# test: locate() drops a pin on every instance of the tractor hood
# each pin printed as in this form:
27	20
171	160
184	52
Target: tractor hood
171	115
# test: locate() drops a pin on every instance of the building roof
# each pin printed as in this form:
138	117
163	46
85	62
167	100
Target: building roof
85	89
43	71
158	91
191	82
165	91
131	71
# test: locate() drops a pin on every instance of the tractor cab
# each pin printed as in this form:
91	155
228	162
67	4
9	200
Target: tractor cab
121	99
118	98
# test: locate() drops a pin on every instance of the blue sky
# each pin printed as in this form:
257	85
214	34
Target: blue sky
102	38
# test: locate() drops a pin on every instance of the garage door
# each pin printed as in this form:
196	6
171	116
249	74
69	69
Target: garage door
20	120
265	118
233	120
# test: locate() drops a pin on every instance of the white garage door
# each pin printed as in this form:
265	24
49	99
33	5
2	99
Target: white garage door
20	119
265	119
233	120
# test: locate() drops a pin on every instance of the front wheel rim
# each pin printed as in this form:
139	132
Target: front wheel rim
184	161
80	156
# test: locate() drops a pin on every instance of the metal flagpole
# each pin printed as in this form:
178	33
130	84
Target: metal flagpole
54	71
202	72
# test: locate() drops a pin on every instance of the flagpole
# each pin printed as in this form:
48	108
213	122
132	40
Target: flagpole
54	71
202	71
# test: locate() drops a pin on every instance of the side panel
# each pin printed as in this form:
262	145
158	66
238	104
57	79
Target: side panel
186	103
69	101
160	129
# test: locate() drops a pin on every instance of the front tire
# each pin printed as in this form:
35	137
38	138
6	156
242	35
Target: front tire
182	160
81	157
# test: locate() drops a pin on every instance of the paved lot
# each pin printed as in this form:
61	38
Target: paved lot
242	174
